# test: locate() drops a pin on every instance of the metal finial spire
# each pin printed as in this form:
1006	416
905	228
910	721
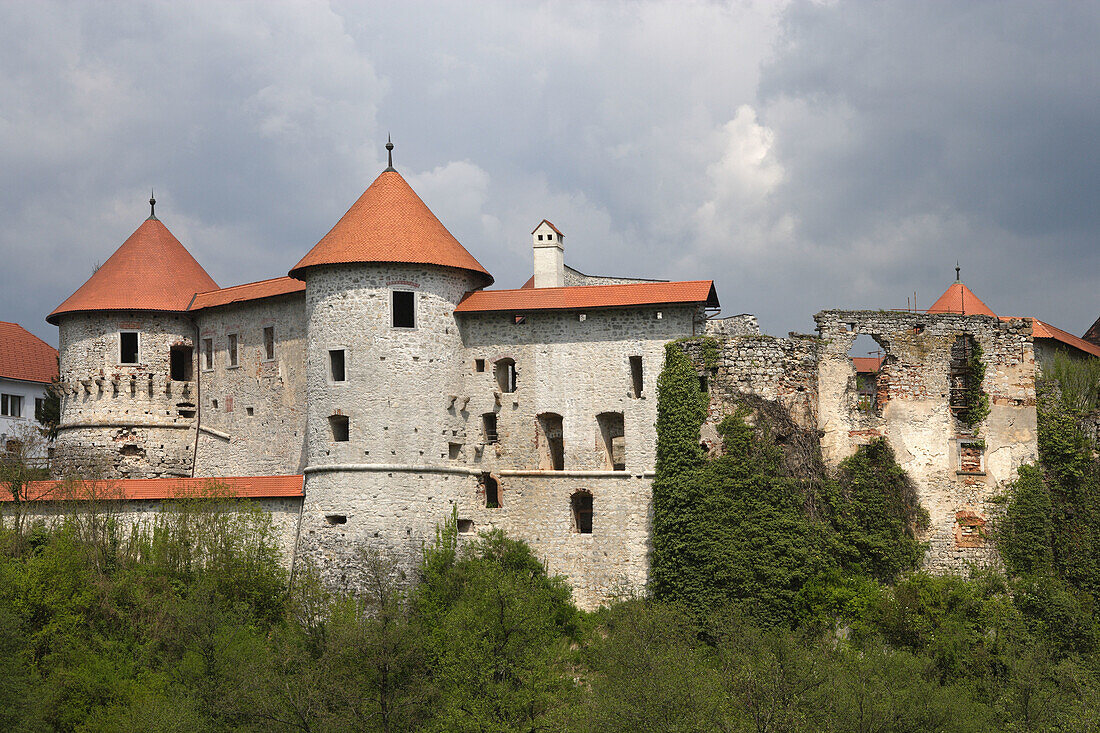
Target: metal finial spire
152	205
957	270
389	152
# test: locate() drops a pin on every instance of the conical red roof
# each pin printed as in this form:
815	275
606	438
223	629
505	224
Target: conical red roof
389	223
150	271
959	299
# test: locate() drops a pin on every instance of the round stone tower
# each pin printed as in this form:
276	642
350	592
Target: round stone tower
128	402
383	367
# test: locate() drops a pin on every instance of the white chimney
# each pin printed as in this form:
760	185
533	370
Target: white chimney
549	256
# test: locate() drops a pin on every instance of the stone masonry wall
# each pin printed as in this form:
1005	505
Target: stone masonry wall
957	470
253	416
124	420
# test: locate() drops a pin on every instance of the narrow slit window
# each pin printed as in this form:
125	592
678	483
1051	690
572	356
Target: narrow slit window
582	512
636	376
506	375
492	491
231	348
404	309
269	343
208	353
336	365
340	426
479	365
489	427
128	347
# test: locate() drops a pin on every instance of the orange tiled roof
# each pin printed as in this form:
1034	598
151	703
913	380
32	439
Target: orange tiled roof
24	356
590	296
245	487
548	223
1043	330
389	223
150	271
867	364
248	291
959	299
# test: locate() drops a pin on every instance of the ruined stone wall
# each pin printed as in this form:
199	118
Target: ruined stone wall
575	277
576	369
744	324
958	470
253	415
124	420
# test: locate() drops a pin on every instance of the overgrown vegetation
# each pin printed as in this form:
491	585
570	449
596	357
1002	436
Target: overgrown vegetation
975	399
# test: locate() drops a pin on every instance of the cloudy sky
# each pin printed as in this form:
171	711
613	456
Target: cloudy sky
804	155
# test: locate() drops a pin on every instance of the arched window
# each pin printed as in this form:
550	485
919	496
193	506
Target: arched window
581	504
492	491
613	440
506	375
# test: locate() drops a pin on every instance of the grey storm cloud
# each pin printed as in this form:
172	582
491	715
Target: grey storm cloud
803	155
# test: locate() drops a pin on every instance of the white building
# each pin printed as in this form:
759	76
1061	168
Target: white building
27	366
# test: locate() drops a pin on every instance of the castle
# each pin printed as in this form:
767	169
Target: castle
383	386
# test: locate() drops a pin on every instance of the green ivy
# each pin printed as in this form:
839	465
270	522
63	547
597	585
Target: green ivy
977	401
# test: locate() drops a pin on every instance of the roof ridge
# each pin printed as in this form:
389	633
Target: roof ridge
244	285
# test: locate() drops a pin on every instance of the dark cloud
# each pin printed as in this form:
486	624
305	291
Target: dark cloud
805	157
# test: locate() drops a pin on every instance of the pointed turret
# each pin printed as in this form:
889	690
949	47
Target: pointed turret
390	223
150	271
959	299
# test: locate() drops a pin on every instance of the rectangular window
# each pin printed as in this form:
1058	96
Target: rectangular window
231	348
336	365
479	365
489	426
404	309
269	343
11	405
341	428
208	354
636	376
39	408
128	347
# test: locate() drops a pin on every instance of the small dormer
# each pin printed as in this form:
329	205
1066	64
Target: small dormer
549	256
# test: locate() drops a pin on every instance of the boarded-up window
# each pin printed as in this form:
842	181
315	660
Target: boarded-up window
128	347
551	442
581	503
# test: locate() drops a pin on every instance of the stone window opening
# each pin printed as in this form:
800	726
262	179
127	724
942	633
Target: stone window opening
403	309
341	428
492	491
971	458
250	411
334	519
703	386
214	403
612	440
336	364
465	526
180	360
505	370
479	365
128	347
959	376
231	348
581	505
269	343
208	354
489	427
454	451
969	529
867	356
636	382
551	442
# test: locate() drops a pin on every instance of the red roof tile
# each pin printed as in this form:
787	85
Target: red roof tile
867	364
1093	334
389	223
245	487
24	356
150	271
959	299
590	296
248	291
1043	330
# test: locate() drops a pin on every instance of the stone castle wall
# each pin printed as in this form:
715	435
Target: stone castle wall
253	416
957	470
124	420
